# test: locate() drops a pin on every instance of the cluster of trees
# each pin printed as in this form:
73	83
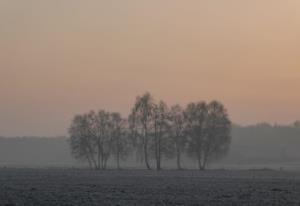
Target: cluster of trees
94	137
154	132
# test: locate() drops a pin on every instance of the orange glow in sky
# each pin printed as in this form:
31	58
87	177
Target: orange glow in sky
63	57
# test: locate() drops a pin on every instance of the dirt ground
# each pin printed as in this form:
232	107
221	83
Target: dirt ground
70	187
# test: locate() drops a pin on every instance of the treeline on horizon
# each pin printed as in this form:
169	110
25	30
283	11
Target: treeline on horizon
261	144
152	132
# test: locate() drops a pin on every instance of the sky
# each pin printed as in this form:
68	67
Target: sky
59	58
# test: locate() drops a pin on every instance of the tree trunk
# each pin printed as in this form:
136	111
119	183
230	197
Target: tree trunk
105	161
159	154
146	148
199	164
118	160
146	156
204	164
95	163
178	157
92	157
157	134
157	158
102	159
90	162
199	160
99	156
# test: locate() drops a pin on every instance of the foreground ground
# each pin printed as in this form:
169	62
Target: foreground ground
138	187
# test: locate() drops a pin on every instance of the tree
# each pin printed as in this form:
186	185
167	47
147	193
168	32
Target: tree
140	120
90	138
160	127
297	124
120	146
195	116
102	127
81	140
177	132
218	128
208	129
155	131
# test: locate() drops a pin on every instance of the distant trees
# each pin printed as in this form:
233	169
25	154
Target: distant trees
141	123
297	124
196	116
208	129
94	137
160	132
154	131
177	132
217	139
82	140
119	138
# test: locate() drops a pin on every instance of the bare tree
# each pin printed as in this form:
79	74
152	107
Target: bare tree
81	140
203	130
120	143
218	128
195	117
141	120
297	124
160	127
177	132
90	138
103	137
208	129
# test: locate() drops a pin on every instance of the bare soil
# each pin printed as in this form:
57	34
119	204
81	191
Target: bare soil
72	187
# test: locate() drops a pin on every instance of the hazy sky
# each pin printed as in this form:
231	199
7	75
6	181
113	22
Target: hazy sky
62	57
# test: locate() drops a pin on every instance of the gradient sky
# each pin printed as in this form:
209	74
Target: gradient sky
63	57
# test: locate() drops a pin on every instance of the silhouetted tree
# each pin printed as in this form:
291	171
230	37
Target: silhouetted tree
160	131
90	138
195	117
141	120
297	124
102	127
208	129
155	131
217	138
177	132
120	140
81	140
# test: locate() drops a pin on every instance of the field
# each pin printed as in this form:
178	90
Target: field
68	187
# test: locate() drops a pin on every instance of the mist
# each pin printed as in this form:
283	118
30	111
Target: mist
139	102
253	147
